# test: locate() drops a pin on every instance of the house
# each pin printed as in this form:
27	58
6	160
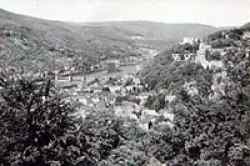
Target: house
176	57
204	47
129	60
189	56
189	40
170	98
149	115
126	110
115	89
137	37
112	61
183	57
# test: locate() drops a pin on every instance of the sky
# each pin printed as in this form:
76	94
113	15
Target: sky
211	12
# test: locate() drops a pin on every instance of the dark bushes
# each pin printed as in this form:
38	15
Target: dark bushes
35	123
38	127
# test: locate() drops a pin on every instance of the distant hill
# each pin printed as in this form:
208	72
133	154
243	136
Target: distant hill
27	40
156	31
247	25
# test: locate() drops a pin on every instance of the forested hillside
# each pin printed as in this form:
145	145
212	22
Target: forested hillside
37	43
247	25
159	34
209	95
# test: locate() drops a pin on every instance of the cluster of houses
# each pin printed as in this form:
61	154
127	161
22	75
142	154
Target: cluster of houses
124	94
183	57
200	55
220	77
189	40
187	55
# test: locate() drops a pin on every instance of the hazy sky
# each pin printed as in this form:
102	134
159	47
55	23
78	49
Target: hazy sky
213	12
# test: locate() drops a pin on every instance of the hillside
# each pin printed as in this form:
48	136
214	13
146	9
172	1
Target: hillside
153	32
28	41
34	41
157	30
206	86
247	25
221	41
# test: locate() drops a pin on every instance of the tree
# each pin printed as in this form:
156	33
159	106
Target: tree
36	124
